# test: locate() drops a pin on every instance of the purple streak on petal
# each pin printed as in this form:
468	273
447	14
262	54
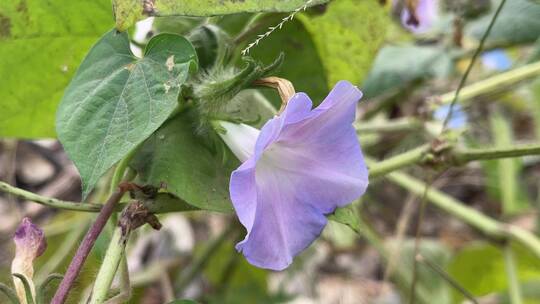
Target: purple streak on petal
306	164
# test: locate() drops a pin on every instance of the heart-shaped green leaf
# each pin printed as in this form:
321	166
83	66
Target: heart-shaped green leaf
115	101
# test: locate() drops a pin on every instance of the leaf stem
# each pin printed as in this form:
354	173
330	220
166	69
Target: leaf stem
85	247
417	241
48	201
511	273
493	84
120	169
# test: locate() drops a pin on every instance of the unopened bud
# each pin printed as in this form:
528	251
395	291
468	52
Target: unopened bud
30	243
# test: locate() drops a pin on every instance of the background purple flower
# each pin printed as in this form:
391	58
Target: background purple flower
305	164
497	60
426	13
458	119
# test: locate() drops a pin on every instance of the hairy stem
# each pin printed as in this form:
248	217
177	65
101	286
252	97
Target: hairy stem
109	266
125	284
84	249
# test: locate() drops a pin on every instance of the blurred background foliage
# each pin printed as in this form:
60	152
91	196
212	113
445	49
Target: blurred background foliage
403	72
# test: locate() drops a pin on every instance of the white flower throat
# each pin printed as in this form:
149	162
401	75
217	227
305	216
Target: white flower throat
240	138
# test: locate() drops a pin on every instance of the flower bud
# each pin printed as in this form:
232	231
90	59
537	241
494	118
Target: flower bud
30	243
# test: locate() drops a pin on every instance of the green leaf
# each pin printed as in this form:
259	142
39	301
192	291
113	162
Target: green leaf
480	268
41	45
348	216
193	169
9	293
127	12
301	65
397	66
166	202
347	37
508	29
115	100
210	42
40	291
251	107
27	287
183	301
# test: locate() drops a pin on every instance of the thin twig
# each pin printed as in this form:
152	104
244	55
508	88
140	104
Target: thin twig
471	63
401	228
277	26
417	240
443	274
84	249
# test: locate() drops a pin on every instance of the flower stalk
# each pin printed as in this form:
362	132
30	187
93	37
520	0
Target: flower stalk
133	216
84	249
511	274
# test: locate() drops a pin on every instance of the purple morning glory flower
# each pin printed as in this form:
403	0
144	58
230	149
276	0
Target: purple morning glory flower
301	166
424	16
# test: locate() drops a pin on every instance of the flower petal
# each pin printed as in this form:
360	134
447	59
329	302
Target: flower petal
306	163
243	192
284	223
